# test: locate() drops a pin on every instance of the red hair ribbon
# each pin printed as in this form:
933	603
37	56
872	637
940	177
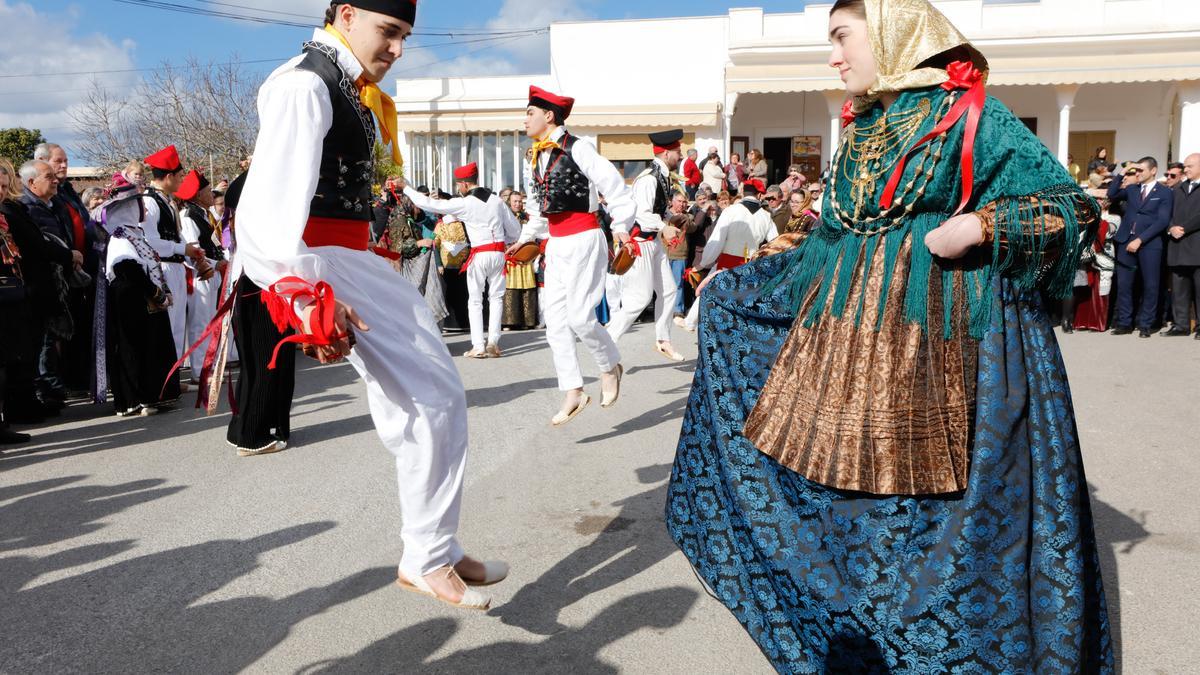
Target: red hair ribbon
281	300
963	75
848	113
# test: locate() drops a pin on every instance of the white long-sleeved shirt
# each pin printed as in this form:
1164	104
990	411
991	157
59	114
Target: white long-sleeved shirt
604	178
296	112
164	248
486	223
645	189
738	232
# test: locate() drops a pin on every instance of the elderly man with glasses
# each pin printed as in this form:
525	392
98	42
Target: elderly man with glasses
776	202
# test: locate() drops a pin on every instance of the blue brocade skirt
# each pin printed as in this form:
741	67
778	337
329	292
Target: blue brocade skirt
1003	577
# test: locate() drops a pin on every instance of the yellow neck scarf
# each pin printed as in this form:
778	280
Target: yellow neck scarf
539	146
380	104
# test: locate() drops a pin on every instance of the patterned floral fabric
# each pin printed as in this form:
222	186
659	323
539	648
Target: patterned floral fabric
1002	577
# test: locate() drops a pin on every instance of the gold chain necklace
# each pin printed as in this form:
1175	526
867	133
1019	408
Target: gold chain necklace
861	158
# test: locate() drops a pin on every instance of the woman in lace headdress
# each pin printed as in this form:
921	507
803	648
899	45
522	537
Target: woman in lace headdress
879	469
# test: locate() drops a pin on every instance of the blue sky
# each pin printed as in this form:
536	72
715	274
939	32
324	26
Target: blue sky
74	36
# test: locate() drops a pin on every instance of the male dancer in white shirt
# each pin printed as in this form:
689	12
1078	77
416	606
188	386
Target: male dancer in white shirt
651	274
165	236
196	224
303	233
491	228
737	236
565	178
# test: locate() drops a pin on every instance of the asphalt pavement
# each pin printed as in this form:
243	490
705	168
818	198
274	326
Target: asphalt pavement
146	545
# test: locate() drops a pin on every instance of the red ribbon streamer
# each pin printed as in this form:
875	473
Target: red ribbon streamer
212	329
963	75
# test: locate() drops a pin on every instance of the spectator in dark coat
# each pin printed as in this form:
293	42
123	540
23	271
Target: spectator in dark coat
40	188
1183	248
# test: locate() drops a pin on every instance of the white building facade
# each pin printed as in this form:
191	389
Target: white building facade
1124	74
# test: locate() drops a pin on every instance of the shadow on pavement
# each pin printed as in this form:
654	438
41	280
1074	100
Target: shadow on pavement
150	614
50	512
1117	533
575	650
626	544
671	412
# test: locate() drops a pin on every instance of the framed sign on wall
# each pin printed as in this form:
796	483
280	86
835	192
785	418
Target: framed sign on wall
806	152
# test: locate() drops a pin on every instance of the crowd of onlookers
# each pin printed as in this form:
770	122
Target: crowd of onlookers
1147	255
52	287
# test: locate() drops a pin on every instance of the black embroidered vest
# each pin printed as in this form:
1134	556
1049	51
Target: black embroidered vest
481	193
347	154
562	188
662	190
200	217
168	225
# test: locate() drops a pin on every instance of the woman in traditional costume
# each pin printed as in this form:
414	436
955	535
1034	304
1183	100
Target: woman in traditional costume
412	254
879	468
141	349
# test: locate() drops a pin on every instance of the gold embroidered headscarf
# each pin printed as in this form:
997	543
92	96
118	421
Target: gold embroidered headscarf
905	34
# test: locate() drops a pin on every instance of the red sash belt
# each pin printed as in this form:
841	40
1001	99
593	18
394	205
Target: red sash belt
727	261
571	222
494	247
351	234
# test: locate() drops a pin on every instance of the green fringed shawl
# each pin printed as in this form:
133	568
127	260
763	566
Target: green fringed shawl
1014	172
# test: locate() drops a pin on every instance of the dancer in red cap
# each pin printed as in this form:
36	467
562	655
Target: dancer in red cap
651	276
303	236
197	224
565	177
163	231
737	236
491	227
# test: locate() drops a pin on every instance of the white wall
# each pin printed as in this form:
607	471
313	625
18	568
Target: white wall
762	116
1139	113
614	63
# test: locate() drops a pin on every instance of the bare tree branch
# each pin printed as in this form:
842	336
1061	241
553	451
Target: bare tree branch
207	110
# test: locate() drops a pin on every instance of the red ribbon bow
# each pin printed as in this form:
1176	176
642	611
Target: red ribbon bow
848	113
283	313
962	75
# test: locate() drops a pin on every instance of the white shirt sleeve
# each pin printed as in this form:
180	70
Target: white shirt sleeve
296	114
772	230
716	241
454	207
645	189
608	182
164	248
536	227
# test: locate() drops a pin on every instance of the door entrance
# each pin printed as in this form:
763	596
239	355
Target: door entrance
1082	145
778	153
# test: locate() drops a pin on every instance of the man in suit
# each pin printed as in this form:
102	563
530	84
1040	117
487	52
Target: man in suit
1183	247
1140	244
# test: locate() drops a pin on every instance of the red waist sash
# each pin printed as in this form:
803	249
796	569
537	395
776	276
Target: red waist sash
494	247
727	261
351	234
571	222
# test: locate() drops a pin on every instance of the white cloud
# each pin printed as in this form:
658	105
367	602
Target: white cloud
533	54
520	55
51	43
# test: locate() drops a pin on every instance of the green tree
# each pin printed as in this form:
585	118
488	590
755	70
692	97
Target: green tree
384	166
17	144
